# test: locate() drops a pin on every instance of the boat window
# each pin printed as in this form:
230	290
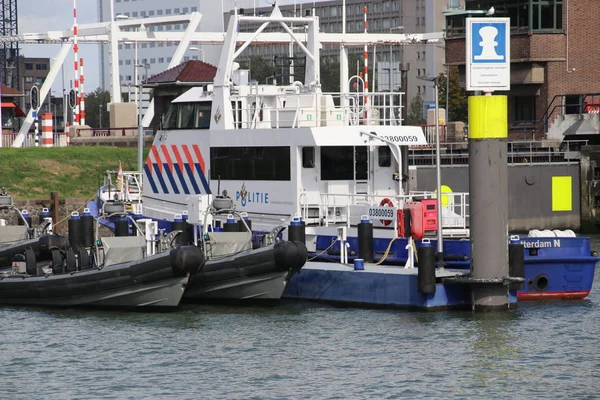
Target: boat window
337	163
250	163
203	111
171	118
308	157
361	166
186	116
384	155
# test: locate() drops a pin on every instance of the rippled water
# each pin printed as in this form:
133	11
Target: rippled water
294	351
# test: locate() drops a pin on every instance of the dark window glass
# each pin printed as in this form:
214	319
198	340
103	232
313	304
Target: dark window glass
186	116
171	118
308	157
384	154
559	16
547	15
250	163
536	17
362	162
29	66
337	163
203	111
524	108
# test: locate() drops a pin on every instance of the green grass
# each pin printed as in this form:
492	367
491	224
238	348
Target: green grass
32	173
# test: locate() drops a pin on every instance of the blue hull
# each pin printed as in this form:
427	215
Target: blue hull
375	287
555	268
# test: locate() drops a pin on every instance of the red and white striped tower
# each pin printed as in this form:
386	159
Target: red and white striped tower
366	50
47	130
76	64
81	99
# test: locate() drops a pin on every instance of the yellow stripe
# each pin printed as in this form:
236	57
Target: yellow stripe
562	193
488	117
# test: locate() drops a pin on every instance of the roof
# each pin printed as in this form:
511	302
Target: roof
189	71
8	91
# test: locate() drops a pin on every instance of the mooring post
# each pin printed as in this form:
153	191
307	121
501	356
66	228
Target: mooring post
488	183
54	209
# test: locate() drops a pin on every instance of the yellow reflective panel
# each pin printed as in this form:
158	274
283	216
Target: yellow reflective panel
562	193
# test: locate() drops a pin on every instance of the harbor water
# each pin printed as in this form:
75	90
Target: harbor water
302	351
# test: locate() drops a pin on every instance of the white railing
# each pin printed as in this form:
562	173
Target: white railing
58	139
297	110
336	208
129	190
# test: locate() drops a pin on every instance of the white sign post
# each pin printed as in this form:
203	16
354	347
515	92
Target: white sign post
488	54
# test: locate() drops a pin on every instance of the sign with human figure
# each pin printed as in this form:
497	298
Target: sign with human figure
488	54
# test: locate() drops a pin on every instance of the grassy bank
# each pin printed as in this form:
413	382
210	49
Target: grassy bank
32	173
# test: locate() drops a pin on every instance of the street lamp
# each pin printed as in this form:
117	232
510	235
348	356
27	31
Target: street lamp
140	127
440	246
194	48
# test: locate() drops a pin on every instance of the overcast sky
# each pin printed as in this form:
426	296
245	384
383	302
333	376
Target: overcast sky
40	16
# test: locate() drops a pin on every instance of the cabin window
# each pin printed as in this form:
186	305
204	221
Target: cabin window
250	163
384	155
188	116
203	111
340	163
171	118
308	157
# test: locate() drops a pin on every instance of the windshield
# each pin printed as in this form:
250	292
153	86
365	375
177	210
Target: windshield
188	116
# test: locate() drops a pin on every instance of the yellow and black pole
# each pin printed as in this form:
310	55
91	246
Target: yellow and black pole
488	183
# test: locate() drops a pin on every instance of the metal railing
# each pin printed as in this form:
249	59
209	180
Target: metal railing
336	208
106	132
519	152
59	139
294	110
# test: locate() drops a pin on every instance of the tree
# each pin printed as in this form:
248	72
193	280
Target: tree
95	102
415	112
260	69
458	108
330	72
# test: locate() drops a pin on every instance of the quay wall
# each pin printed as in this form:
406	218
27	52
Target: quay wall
531	194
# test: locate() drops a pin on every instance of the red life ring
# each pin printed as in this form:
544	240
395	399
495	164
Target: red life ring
386	202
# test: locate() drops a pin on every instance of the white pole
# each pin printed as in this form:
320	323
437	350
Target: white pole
440	246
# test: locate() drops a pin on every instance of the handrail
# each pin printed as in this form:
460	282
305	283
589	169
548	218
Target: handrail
456	203
546	116
518	152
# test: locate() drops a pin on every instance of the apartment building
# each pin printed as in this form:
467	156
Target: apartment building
384	16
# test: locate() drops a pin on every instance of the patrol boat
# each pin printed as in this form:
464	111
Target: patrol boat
289	153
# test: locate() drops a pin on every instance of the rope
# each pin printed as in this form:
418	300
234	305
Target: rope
330	246
387	252
77	209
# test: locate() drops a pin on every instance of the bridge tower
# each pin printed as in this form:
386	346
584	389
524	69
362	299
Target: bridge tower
9	51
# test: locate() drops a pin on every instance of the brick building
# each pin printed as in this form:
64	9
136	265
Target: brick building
555	56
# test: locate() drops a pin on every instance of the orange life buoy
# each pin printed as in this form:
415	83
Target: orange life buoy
417	228
386	203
